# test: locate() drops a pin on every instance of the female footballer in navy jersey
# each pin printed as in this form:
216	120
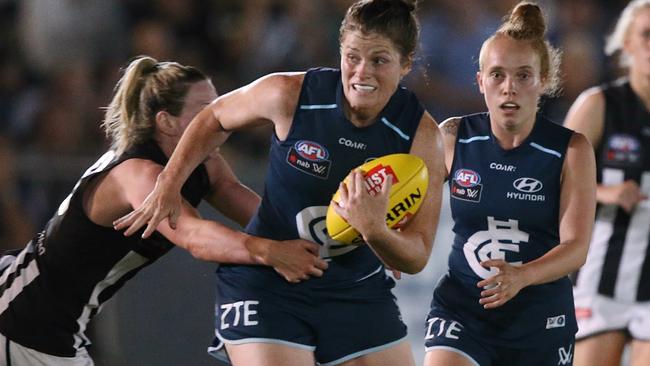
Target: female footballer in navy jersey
612	289
326	122
522	198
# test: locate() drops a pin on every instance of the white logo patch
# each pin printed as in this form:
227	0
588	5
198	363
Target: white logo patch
493	243
555	322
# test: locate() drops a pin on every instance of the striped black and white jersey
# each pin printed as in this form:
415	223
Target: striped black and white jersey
618	264
51	289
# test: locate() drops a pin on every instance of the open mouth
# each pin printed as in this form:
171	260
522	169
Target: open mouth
509	106
363	88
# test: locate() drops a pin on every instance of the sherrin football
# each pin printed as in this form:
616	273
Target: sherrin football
410	181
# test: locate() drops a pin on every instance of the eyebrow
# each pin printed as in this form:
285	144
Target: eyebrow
520	68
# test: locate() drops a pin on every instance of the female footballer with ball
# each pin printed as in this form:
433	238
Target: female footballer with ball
326	122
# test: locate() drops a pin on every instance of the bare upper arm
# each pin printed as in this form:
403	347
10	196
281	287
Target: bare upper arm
587	115
578	195
116	192
270	99
449	132
428	145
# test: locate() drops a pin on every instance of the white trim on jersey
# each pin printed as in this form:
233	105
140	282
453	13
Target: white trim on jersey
129	262
472	139
395	128
23	277
317	106
545	149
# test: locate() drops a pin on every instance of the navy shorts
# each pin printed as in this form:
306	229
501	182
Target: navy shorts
444	331
337	323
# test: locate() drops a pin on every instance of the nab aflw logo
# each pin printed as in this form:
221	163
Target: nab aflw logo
493	243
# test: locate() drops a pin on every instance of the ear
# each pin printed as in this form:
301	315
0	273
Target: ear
406	67
479	81
165	123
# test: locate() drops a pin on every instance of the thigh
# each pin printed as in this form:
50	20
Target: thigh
268	354
600	350
399	354
447	356
640	353
358	321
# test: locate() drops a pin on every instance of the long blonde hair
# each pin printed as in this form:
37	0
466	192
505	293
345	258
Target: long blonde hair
526	23
146	88
616	40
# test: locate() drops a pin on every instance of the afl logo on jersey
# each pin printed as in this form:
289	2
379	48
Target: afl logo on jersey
466	185
311	150
467	178
623	149
310	157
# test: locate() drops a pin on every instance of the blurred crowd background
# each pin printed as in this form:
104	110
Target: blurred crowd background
60	59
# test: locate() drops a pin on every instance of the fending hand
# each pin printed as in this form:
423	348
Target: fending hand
159	205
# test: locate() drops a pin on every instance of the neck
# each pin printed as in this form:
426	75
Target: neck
510	136
641	86
360	118
165	144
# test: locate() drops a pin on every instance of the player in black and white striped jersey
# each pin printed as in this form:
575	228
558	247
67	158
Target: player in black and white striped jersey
612	289
51	290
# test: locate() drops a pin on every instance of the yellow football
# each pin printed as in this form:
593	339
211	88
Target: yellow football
410	181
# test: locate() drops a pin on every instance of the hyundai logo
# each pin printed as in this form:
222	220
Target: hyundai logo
528	185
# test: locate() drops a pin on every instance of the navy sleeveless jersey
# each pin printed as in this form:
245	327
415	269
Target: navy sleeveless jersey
618	264
322	147
505	205
59	282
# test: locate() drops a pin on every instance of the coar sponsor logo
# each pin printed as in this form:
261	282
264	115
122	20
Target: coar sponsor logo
353	144
311	150
526	187
503	167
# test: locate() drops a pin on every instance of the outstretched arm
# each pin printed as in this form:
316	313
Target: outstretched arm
271	99
127	185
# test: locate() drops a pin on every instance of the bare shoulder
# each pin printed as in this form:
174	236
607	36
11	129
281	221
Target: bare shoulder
449	127
591	97
285	85
133	173
278	93
580	142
